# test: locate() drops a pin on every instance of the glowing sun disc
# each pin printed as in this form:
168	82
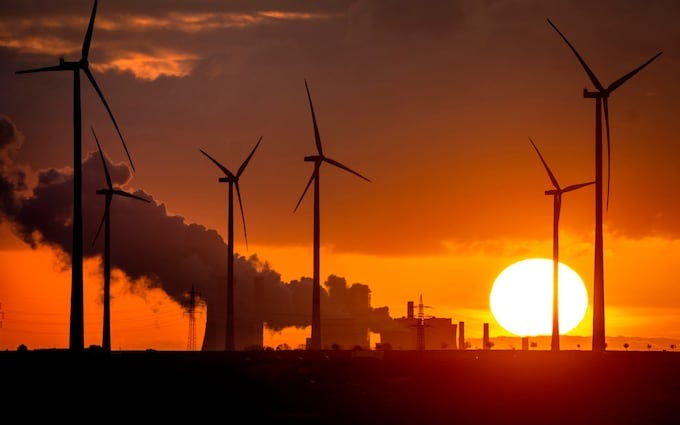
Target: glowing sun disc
521	298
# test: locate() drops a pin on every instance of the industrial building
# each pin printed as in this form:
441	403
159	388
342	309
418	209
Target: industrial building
414	332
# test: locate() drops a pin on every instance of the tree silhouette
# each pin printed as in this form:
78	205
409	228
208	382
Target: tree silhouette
626	345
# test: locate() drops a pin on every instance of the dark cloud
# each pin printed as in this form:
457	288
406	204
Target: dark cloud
148	242
42	8
10	138
434	18
395	92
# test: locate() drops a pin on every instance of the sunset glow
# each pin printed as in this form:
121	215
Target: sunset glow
432	104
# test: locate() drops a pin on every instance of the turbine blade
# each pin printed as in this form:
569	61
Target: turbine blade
245	163
605	104
101	154
106	105
616	84
44	69
545	164
221	167
344	167
129	195
576	186
309	183
590	73
243	217
88	34
317	137
101	224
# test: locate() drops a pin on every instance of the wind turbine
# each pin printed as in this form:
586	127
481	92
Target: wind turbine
601	96
106	223
233	182
318	160
556	193
76	333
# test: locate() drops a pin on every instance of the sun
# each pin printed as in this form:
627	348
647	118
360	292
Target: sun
521	298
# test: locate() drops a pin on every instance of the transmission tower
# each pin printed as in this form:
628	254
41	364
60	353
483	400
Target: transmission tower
420	325
192	300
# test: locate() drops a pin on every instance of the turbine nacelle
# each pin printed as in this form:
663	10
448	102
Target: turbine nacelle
314	158
230	177
595	94
602	93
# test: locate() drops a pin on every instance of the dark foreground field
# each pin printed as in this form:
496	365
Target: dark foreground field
343	387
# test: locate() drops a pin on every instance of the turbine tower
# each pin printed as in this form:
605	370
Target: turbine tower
232	179
556	193
601	96
106	222
76	332
318	159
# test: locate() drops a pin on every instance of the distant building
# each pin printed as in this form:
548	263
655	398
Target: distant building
344	332
249	323
439	332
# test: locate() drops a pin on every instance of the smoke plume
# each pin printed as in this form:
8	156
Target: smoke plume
147	242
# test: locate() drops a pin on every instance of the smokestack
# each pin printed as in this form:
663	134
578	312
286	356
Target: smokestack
409	310
525	343
258	288
485	340
461	335
455	345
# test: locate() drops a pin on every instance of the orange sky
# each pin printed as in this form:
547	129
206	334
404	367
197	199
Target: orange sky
433	105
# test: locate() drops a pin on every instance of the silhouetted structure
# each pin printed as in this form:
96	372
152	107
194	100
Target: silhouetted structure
191	303
486	342
259	311
106	222
420	326
233	181
411	333
318	159
76	331
601	96
557	203
461	336
525	343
